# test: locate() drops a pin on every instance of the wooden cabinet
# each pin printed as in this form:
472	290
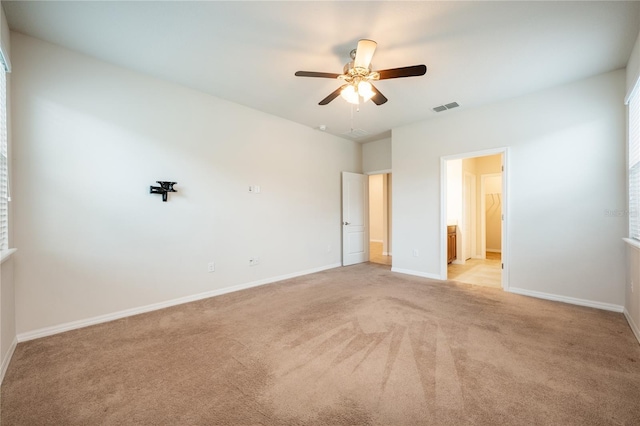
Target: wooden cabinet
451	243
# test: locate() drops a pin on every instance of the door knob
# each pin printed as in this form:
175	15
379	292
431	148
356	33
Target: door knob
346	223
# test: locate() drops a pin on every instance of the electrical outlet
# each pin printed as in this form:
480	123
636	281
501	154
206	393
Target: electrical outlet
211	267
251	189
253	261
416	253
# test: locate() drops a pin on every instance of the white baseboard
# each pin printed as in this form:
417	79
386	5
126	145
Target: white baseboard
633	325
376	241
7	359
494	250
459	262
567	299
73	325
416	273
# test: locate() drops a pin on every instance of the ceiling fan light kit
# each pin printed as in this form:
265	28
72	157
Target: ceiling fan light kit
358	75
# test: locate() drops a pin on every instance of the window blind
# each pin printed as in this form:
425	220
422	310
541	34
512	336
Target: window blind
634	164
4	203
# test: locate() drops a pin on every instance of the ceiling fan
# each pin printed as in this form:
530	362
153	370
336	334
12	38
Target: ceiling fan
358	76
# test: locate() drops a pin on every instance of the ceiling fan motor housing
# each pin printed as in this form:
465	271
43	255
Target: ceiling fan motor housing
355	74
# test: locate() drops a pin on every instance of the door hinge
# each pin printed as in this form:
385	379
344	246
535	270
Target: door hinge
503	266
502	168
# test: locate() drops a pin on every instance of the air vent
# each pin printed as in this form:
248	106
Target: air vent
445	107
356	133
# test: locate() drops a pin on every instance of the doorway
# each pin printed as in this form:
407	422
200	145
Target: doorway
474	218
380	218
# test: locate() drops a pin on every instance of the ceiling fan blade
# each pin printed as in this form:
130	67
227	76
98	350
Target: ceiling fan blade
412	71
316	74
332	96
378	98
364	53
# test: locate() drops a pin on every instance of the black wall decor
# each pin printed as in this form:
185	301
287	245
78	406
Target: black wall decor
164	188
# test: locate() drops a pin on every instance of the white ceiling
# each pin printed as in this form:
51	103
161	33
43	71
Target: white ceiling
247	52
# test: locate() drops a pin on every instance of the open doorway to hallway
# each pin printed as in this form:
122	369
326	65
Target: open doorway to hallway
380	218
474	219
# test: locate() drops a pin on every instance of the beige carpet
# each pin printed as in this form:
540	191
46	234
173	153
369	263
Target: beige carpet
350	346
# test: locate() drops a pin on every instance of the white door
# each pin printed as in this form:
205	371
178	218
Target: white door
355	227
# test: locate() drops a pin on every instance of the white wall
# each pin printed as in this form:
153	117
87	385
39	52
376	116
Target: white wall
633	66
376	156
477	167
7	299
376	208
388	250
487	165
466	250
90	138
566	167
455	204
8	338
454	192
632	289
632	298
493	185
5	39
493	213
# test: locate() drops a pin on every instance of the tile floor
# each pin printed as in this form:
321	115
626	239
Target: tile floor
376	256
486	272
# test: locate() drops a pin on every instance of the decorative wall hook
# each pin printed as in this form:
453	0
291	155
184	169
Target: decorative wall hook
163	189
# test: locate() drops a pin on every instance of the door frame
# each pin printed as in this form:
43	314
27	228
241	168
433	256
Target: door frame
506	248
388	229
